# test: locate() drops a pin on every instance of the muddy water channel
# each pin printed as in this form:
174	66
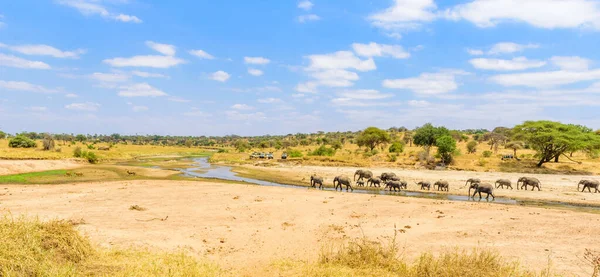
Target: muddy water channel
203	169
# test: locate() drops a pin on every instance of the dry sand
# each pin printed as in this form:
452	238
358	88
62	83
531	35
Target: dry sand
8	167
246	227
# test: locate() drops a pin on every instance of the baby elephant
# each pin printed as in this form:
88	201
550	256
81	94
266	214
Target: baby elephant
375	181
424	185
314	180
442	185
589	184
396	185
501	183
360	183
485	188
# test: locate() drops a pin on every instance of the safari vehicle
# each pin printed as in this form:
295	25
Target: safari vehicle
261	155
254	155
284	156
270	156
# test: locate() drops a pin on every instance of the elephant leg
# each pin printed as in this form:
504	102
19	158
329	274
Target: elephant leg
479	195
539	189
589	190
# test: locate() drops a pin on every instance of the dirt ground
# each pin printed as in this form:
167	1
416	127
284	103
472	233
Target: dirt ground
245	228
8	167
555	187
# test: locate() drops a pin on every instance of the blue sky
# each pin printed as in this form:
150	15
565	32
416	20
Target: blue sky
278	67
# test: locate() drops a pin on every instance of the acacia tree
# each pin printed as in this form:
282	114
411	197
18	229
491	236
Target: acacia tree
427	135
408	138
372	137
551	139
472	147
446	146
515	145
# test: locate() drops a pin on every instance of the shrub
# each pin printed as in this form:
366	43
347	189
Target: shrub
88	155
294	153
48	143
21	141
487	154
392	158
91	147
446	146
221	150
482	162
397	147
472	147
323	151
77	152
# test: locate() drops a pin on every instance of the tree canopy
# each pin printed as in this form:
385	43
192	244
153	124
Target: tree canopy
371	137
551	139
446	146
427	135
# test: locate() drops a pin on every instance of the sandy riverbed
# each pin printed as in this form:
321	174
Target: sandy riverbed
246	227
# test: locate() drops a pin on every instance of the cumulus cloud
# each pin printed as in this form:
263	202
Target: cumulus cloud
43	50
242	107
405	15
510	47
256	60
110	77
37	109
307	87
25	86
269	100
139	108
426	83
335	77
165	49
572	63
236	115
340	60
308	17
220	76
148	74
546	79
140	90
145	61
201	54
519	63
255	72
475	52
93	7
87	106
305	5
380	50
13	61
363	94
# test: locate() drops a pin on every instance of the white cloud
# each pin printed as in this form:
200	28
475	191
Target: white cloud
242	107
165	49
380	50
145	61
255	72
178	99
236	115
307	87
573	63
195	112
519	63
201	54
110	77
426	83
87	106
24	86
305	5
269	100
140	90
13	61
256	60
71	95
36	109
258	89
405	15
549	14
139	108
91	7
148	74
363	94
418	103
340	60
510	47
546	79
43	50
220	76
335	77
475	52
308	17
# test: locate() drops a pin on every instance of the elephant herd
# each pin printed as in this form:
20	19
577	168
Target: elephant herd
393	182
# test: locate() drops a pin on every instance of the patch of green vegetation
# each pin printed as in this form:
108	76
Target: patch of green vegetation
25	178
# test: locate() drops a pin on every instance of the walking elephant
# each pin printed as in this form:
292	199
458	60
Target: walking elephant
470	181
501	183
485	188
342	180
396	185
529	181
424	185
442	185
386	176
374	181
363	174
589	184
314	180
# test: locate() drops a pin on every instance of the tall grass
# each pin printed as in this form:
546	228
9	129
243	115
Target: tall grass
33	248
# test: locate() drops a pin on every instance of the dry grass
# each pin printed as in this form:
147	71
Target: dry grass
137	208
55	248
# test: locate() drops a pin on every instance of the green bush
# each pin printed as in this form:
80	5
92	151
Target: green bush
293	153
48	143
446	147
397	147
88	155
472	147
323	151
221	150
392	158
91	147
487	154
21	141
77	152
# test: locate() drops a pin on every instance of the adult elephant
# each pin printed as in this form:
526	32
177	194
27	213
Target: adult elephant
396	185
501	183
589	184
470	181
374	181
424	185
366	174
314	180
342	180
386	176
485	188
529	181
442	185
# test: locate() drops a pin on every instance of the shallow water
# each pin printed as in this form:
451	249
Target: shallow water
203	169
